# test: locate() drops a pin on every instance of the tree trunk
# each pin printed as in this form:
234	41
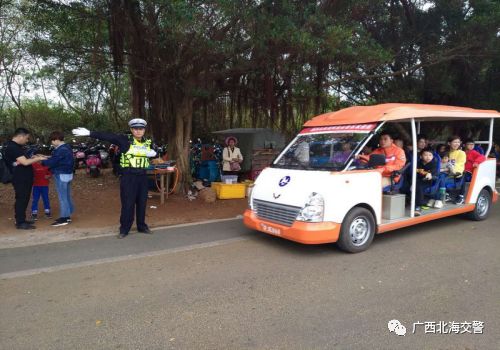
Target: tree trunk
319	88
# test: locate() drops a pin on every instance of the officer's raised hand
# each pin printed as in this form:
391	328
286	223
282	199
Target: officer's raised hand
81	132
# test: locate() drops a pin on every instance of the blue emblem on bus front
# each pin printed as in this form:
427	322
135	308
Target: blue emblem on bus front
284	181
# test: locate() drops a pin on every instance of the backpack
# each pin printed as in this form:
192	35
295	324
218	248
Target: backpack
5	170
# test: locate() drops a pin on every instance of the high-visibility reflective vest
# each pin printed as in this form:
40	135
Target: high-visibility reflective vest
135	157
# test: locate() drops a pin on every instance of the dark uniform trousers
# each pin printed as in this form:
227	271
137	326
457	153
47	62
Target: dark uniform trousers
22	189
134	195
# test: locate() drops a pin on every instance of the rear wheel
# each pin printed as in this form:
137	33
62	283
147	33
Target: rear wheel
357	230
483	206
94	172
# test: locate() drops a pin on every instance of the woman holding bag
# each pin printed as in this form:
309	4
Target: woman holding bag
231	157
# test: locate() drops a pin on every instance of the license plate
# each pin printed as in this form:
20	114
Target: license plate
270	229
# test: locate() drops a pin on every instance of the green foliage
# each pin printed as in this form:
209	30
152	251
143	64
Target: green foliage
42	118
261	63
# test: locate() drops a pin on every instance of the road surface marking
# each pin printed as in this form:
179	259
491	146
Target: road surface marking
24	273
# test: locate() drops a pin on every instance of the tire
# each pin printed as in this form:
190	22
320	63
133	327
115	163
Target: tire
94	172
483	206
357	230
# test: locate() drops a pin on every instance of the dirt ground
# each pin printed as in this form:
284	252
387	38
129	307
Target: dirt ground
97	211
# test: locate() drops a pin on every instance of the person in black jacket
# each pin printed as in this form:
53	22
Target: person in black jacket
135	151
22	175
426	172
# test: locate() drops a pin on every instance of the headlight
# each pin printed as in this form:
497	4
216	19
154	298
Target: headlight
313	210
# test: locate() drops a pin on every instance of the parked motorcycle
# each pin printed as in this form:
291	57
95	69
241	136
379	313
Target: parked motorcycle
93	162
79	155
104	154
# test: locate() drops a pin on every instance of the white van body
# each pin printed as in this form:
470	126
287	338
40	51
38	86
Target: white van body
341	190
310	197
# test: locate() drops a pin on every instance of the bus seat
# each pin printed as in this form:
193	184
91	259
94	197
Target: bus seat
394	188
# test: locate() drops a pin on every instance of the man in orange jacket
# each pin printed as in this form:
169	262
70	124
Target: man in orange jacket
395	158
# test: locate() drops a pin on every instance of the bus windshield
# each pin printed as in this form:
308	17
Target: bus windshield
325	151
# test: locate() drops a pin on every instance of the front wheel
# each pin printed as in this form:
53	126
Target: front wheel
483	206
357	230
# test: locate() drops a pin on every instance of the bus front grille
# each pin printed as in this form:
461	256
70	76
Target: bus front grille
278	213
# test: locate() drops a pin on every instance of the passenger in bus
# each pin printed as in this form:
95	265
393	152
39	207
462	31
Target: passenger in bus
441	148
422	142
301	153
496	151
457	156
343	155
446	167
427	170
395	158
367	149
473	159
399	142
454	182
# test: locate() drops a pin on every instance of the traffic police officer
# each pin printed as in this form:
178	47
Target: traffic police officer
134	161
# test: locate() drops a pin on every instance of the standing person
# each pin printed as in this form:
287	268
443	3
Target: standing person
135	151
395	158
61	163
41	178
22	175
232	157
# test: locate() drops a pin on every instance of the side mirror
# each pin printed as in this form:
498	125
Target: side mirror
376	160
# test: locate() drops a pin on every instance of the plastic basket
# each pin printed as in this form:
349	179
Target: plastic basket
229	179
229	191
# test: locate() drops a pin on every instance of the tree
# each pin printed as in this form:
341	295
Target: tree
71	41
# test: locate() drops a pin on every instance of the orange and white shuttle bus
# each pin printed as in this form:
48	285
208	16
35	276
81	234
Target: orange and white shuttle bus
317	191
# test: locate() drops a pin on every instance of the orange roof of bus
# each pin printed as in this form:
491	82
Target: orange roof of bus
397	112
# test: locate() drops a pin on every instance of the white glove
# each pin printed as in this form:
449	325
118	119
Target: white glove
428	176
81	132
150	153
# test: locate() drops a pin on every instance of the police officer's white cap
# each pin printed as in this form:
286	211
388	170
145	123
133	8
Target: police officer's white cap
137	123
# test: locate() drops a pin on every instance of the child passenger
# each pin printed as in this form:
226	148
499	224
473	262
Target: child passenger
445	169
446	166
426	172
473	159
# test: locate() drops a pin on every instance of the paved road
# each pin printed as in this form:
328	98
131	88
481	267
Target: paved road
220	286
